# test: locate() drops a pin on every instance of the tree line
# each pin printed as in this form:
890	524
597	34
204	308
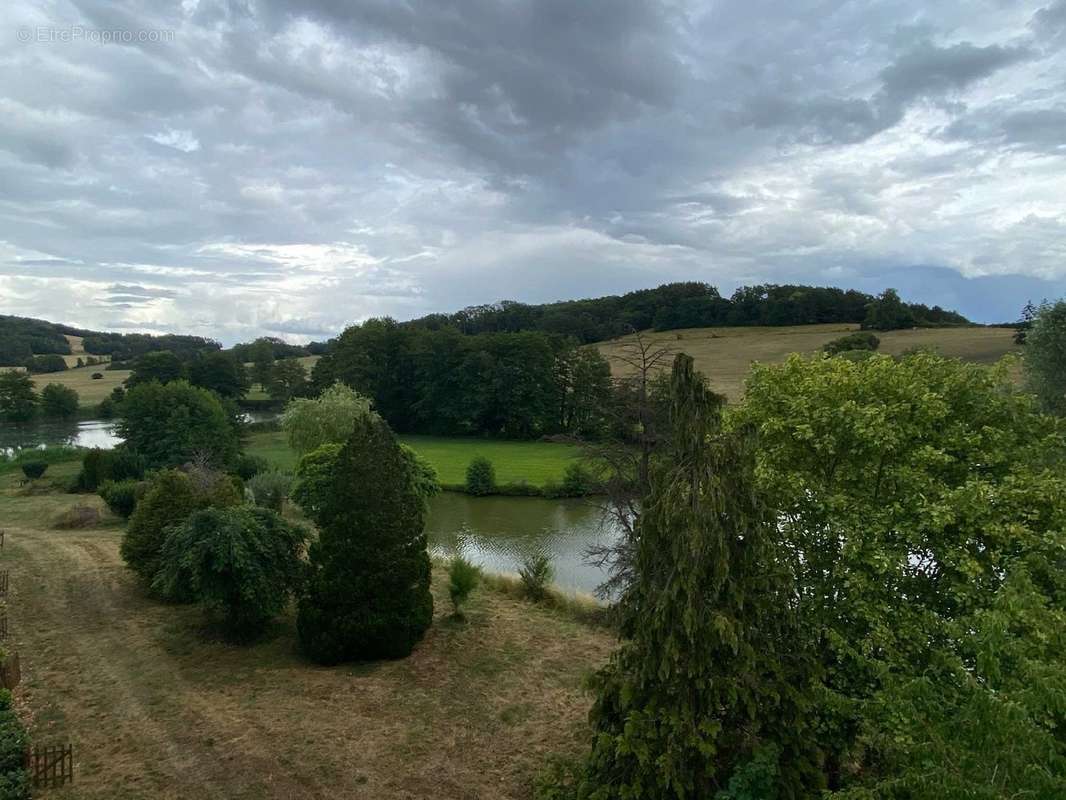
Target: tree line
694	305
441	381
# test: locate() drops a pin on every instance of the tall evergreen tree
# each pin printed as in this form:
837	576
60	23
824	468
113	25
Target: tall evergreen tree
709	690
368	593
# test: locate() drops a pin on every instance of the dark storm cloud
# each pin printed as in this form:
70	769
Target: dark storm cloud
286	167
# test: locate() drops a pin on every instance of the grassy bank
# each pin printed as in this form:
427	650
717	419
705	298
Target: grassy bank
533	462
156	708
725	355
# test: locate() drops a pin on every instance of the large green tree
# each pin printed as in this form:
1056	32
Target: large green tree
220	372
367	595
329	418
924	503
1045	357
159	365
59	401
18	401
711	686
170	424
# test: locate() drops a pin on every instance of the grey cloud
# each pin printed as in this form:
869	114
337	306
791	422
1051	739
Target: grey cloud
383	157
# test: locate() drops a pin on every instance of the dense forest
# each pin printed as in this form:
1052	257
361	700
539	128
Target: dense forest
517	385
694	305
21	338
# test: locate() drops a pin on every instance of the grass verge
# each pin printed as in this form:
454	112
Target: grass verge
155	709
532	462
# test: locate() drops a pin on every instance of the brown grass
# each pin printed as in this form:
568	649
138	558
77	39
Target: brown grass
156	710
725	355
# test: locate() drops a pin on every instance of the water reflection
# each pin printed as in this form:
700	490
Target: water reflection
83	433
499	532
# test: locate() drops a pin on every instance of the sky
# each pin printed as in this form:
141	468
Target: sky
237	168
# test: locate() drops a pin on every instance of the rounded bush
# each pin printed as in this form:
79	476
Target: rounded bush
97	376
240	563
480	477
248	466
121	496
169	499
34	469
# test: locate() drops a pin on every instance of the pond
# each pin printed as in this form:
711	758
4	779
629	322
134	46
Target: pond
497	533
76	433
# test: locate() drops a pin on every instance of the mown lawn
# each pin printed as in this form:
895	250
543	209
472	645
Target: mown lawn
158	707
533	462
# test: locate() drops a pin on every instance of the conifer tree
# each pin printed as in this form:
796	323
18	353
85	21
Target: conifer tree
368	593
708	692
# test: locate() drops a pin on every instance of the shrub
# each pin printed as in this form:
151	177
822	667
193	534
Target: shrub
100	466
269	489
463	578
577	481
368	591
59	401
14	782
536	573
34	469
121	496
480	477
171	496
239	563
248	466
79	516
97	376
862	340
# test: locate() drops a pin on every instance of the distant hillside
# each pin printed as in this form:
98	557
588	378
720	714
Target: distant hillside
676	306
21	338
725	355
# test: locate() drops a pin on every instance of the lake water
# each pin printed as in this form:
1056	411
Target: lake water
83	433
497	533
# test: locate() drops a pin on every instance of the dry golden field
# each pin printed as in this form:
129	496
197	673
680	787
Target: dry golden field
725	355
157	707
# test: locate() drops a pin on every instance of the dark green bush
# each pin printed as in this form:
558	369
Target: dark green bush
463	578
59	401
248	466
121	496
368	593
861	340
100	466
480	476
97	376
536	573
34	469
14	782
240	563
170	497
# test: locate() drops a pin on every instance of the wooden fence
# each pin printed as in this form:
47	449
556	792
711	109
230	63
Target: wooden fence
11	671
3	624
2	539
3	583
52	765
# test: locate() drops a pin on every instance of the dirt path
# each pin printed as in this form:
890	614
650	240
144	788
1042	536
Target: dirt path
156	710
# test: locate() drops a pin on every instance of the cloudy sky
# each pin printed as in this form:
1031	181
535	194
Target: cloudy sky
281	167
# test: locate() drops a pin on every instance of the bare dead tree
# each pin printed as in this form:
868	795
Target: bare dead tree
624	458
